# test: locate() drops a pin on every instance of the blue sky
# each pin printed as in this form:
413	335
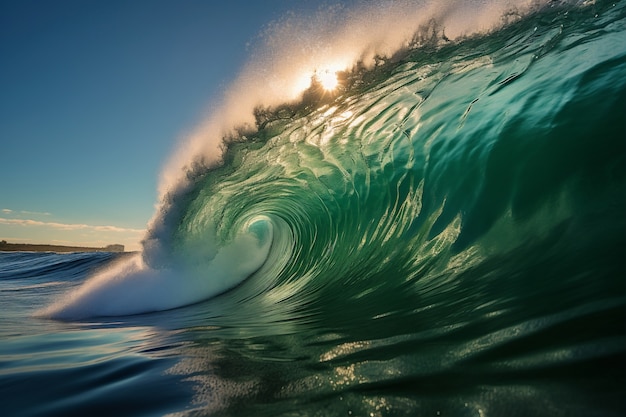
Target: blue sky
95	97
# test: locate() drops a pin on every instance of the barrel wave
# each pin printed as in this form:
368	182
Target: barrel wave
450	217
456	164
476	160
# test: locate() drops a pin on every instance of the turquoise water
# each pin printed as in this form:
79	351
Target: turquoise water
444	234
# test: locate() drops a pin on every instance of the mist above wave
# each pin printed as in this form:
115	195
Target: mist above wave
296	48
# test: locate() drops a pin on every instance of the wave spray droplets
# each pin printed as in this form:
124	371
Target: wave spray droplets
335	39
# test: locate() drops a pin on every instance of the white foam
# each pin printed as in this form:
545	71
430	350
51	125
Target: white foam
132	287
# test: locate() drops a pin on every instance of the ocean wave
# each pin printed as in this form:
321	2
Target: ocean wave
473	159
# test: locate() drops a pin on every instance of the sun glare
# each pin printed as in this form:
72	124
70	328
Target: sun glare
325	78
328	80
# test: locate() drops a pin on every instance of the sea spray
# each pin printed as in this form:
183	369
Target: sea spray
295	48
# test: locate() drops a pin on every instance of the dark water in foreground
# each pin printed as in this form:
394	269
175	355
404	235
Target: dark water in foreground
447	237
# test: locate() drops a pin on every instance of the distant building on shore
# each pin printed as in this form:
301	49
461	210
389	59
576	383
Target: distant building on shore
114	248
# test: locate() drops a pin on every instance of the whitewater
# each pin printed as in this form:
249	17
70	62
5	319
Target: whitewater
400	208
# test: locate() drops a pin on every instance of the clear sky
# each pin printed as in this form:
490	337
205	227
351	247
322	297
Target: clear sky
94	97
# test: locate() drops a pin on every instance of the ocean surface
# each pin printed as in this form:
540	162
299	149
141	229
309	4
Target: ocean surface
442	234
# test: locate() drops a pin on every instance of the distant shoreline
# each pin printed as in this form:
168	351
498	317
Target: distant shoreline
29	247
